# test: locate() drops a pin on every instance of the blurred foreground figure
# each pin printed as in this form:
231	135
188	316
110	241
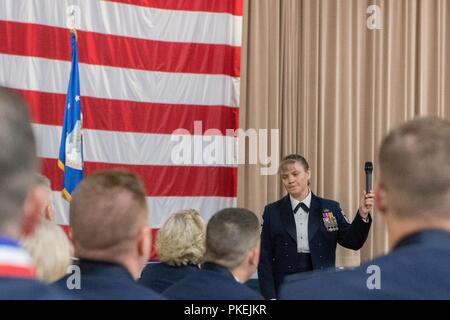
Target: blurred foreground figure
20	203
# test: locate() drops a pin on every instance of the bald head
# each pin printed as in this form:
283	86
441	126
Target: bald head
415	168
107	212
17	157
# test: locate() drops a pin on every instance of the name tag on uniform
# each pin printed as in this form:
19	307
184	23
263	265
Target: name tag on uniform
329	220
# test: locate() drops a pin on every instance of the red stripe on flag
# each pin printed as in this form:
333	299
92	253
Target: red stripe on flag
233	7
154	252
129	116
67	231
117	51
153	234
162	181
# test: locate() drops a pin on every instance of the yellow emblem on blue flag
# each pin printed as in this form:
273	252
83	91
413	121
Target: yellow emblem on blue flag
71	146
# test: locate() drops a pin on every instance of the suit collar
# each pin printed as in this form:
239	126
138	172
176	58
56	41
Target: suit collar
287	217
314	216
434	237
306	201
104	269
218	269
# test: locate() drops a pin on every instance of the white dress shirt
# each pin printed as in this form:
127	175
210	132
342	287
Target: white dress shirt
301	223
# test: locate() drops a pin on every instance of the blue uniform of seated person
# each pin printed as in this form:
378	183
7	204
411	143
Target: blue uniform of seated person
231	257
180	244
20	208
109	221
301	231
413	195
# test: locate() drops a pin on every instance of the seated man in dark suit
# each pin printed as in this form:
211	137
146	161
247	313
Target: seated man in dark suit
109	221
180	244
19	203
232	254
413	195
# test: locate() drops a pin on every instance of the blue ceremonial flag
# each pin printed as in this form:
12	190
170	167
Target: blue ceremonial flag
71	146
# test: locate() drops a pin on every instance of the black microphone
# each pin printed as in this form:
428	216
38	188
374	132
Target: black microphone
368	167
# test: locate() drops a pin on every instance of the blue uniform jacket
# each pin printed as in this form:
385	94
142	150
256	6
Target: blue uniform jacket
212	282
160	276
28	289
106	281
279	240
417	268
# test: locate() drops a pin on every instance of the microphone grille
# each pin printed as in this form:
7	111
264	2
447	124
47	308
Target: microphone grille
368	167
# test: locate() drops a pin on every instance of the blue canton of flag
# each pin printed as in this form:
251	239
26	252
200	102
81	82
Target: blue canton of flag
71	145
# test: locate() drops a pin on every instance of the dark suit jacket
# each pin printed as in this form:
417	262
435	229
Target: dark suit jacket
417	268
107	281
28	289
212	282
279	240
160	276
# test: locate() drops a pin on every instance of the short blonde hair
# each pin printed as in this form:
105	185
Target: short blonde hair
180	240
50	251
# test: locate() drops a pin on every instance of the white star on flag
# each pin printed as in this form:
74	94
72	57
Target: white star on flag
77	98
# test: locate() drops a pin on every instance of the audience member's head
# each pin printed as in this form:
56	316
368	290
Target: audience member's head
48	211
232	241
18	214
109	220
181	240
413	190
50	250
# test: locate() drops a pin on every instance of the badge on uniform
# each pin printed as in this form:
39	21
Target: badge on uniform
329	221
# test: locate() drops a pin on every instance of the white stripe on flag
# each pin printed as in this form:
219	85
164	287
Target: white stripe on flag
159	207
39	74
140	148
148	23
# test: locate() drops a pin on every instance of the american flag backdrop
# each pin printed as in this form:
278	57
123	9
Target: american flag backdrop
147	68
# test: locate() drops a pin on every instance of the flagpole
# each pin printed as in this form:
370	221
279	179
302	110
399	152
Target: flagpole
74	31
